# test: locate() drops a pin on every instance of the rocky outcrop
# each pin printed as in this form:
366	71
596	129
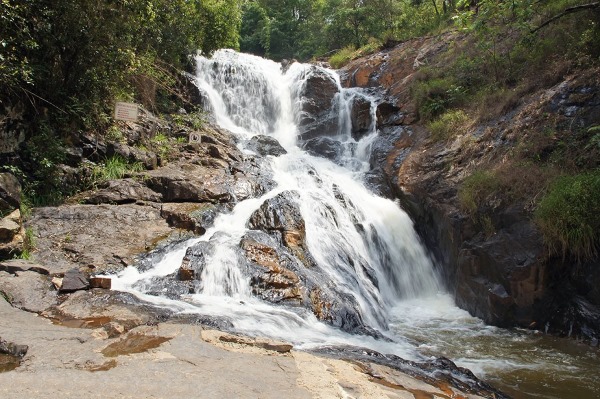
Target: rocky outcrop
317	100
123	191
68	236
497	267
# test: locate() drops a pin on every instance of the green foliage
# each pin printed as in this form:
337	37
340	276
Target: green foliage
115	167
476	188
347	54
29	242
447	125
569	215
436	95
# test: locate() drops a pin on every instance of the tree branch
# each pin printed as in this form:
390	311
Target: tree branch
567	11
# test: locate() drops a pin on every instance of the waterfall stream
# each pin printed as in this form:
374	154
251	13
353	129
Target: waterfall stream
364	246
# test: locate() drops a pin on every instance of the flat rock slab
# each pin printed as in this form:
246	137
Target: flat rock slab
99	238
28	290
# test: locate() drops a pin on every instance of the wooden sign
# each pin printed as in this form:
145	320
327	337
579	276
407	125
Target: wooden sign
126	112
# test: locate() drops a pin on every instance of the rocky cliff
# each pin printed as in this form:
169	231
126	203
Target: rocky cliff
492	254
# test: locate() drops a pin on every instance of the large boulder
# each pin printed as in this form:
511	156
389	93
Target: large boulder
266	145
95	237
10	192
360	116
281	214
317	102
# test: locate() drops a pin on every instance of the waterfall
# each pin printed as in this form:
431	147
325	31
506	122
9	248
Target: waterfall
364	247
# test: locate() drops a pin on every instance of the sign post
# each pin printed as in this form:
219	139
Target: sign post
194	137
126	112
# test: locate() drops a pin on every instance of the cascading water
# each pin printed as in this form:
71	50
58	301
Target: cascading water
363	247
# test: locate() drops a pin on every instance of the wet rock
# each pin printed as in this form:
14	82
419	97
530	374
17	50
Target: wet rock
68	236
98	308
13	349
195	259
325	147
280	213
122	191
270	278
360	116
28	290
266	145
317	101
74	280
10	192
388	114
132	154
440	372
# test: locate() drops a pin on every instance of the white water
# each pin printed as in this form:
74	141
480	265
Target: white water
248	96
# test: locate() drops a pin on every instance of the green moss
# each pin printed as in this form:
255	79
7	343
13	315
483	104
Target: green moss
569	215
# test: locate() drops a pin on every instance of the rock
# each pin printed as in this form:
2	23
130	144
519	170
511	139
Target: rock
266	145
122	191
280	213
10	192
360	116
326	147
68	236
21	265
193	183
271	280
12	349
74	280
28	290
190	215
132	154
98	308
10	226
317	100
100	282
13	247
194	261
57	282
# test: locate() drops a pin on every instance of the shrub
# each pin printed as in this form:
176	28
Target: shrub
569	215
448	125
476	188
115	167
342	57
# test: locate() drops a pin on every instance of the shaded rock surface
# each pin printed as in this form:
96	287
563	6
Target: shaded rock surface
317	100
10	192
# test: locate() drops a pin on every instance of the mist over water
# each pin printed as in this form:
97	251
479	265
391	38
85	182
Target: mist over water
355	237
